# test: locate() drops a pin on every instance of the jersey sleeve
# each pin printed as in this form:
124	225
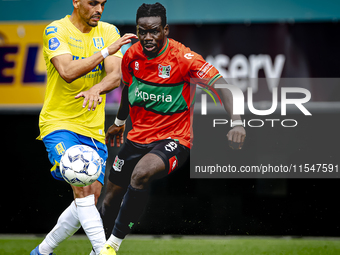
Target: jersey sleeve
113	35
203	72
55	41
126	70
198	71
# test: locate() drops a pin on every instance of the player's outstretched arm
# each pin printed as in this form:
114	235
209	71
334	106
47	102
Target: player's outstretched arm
125	39
109	82
71	70
116	130
237	134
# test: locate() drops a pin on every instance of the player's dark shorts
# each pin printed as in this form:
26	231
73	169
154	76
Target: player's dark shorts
170	151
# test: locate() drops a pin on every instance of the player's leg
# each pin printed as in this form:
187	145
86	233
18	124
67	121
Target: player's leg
134	200
118	181
56	144
165	157
89	217
111	205
150	167
86	199
68	222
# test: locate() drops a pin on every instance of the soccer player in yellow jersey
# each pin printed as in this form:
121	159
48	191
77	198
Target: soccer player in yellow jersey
83	60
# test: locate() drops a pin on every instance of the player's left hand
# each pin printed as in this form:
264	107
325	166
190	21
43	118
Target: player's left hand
92	96
236	137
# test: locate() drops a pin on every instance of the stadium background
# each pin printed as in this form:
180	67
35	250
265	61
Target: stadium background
230	34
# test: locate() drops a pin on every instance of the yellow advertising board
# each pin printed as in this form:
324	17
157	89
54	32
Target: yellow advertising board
22	66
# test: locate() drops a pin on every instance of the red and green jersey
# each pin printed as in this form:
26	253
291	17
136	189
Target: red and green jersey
161	96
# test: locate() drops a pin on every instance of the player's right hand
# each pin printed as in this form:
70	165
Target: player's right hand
125	39
115	132
236	137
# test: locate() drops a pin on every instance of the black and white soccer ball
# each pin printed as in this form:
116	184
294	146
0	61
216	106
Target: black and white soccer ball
80	165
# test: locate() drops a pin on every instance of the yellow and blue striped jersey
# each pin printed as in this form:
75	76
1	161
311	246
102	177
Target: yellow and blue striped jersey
61	110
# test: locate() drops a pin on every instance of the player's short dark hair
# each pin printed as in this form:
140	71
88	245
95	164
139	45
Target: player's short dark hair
152	10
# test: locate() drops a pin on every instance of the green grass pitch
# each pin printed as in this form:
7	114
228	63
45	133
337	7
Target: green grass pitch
187	246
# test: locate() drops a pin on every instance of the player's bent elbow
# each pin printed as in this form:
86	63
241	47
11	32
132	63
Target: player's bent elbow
116	80
68	80
65	71
68	77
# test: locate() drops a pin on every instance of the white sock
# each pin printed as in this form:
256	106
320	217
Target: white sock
114	242
91	222
67	224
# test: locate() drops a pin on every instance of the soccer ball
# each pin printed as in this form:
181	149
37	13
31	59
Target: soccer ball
80	165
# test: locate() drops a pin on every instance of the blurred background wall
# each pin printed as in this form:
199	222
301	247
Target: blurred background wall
253	43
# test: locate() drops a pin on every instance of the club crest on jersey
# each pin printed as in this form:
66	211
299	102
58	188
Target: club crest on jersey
164	71
98	42
60	148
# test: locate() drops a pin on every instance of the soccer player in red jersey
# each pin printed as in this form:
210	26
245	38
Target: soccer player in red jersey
156	73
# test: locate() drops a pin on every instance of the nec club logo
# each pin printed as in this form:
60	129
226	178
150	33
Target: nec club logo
164	71
118	164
